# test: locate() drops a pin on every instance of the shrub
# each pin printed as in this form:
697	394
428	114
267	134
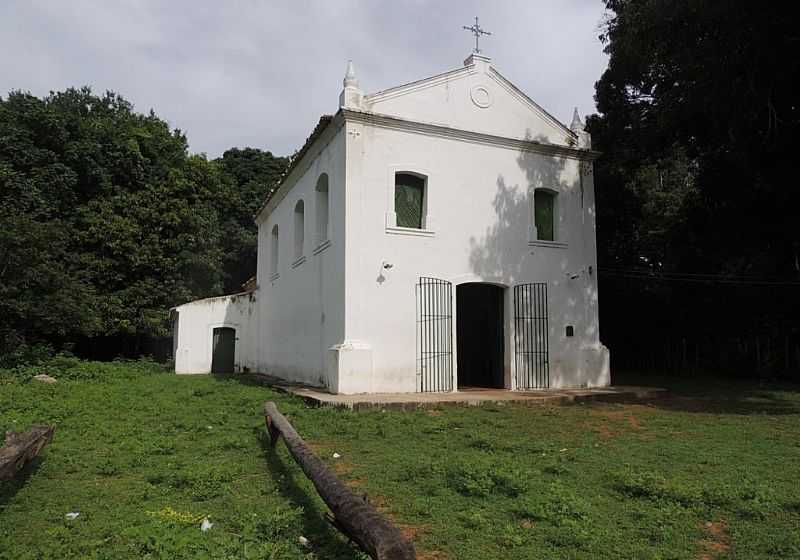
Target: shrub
756	501
648	485
470	481
26	355
484	479
474	520
65	367
209	484
558	505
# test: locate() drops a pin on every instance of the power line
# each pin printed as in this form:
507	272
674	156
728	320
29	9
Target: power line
641	270
737	280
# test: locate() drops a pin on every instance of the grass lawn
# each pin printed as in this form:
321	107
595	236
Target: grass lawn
143	456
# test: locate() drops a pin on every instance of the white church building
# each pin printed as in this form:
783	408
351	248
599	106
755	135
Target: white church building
435	236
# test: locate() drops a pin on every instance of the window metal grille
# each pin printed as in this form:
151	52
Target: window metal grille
409	194
544	204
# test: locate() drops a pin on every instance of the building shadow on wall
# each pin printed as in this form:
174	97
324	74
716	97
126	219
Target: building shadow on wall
503	248
503	251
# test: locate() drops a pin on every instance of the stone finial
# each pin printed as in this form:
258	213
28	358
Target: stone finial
578	128
350	79
576	122
351	97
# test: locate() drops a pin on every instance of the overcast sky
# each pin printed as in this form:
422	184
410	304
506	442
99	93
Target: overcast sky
260	72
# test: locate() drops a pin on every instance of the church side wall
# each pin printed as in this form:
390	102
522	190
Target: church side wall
478	222
301	311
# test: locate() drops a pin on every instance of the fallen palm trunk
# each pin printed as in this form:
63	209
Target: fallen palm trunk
352	515
21	448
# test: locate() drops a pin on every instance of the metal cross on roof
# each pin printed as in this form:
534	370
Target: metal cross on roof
477	31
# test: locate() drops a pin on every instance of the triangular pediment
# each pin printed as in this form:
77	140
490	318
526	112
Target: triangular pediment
476	98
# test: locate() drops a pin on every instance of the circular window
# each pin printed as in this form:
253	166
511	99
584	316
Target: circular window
481	96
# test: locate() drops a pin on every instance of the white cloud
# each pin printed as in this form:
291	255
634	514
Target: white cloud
257	73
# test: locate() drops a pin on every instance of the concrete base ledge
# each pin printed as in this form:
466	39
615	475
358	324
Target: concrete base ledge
471	397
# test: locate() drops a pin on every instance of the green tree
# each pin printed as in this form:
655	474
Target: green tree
698	113
255	174
105	220
707	87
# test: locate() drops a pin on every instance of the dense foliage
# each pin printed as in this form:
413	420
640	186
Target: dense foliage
106	220
70	368
255	174
697	224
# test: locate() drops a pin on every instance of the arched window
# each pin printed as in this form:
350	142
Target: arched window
299	228
322	208
274	248
409	200
545	215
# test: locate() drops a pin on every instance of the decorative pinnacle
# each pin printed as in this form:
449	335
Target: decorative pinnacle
350	79
577	124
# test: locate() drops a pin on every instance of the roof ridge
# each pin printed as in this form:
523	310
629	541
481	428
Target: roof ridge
396	89
295	159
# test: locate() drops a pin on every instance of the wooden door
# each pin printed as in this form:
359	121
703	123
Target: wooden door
224	350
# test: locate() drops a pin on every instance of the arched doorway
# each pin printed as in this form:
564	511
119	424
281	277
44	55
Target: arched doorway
223	350
480	335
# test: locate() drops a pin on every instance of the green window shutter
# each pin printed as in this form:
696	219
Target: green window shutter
409	193
544	206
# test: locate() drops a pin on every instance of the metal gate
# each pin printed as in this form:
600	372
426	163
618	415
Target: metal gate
434	335
531	336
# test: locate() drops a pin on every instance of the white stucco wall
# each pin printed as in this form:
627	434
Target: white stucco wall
478	230
479	206
194	325
301	312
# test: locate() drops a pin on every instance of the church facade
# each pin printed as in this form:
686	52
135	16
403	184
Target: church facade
430	237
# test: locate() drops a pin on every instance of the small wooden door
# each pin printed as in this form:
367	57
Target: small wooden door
224	350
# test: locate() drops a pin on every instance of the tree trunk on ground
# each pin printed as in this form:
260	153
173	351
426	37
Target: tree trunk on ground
21	448
353	515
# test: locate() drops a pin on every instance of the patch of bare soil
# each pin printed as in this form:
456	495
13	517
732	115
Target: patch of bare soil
354	483
614	423
432	555
606	432
624	416
319	449
410	532
341	467
716	541
380	503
